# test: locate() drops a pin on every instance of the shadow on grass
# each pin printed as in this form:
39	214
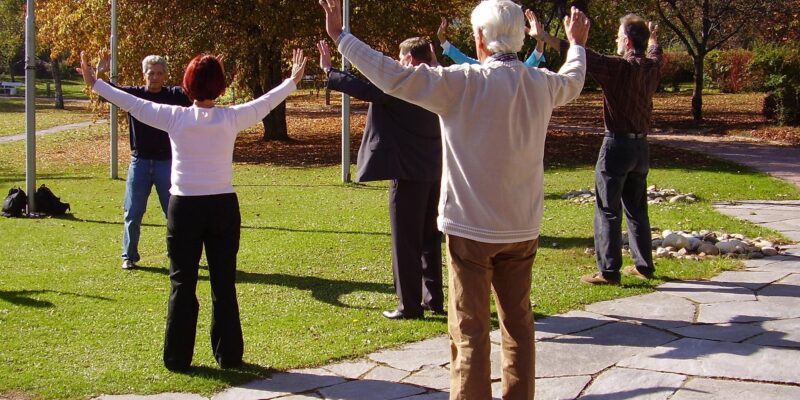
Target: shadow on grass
233	376
72	217
25	297
6	177
327	291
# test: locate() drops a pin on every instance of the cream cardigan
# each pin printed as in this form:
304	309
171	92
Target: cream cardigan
494	119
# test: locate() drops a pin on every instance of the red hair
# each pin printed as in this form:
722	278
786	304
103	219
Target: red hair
204	78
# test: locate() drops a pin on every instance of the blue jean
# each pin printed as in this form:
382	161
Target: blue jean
142	175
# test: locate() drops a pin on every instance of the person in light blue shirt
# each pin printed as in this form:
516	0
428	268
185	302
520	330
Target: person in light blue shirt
535	30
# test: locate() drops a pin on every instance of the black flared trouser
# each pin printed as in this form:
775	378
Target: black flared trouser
193	222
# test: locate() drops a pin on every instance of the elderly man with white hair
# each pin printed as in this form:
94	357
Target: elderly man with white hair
151	154
494	118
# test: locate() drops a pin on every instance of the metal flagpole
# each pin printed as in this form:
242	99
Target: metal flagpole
113	116
30	104
346	104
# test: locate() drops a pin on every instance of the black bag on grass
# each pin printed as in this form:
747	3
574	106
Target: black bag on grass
15	203
47	202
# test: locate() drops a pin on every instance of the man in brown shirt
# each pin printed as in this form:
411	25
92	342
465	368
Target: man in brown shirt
628	83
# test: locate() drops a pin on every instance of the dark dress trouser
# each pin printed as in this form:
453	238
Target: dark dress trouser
621	184
416	245
212	221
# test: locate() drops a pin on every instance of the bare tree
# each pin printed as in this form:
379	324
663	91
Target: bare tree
705	25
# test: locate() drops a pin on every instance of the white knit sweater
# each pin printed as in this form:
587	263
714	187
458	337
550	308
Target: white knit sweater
494	120
202	139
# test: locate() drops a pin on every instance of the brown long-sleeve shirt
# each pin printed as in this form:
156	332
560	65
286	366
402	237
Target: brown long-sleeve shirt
628	83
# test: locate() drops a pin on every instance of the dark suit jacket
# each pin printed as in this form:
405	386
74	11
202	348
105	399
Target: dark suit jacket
401	140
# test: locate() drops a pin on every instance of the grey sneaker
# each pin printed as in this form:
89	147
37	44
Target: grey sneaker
128	264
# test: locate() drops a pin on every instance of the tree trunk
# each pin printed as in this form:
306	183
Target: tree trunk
56	71
697	96
275	122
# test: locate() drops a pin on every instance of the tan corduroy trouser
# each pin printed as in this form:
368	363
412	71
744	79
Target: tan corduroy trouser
475	268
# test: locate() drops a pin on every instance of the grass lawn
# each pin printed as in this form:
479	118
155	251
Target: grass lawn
314	269
12	114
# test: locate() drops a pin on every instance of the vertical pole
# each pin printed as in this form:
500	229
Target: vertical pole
346	105
30	104
113	116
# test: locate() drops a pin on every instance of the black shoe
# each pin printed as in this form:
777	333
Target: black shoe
434	310
397	314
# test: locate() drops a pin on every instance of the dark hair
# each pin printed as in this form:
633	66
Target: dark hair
636	29
204	78
419	48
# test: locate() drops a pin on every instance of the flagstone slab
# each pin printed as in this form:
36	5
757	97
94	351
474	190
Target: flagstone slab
790	267
351	370
433	378
594	350
430	396
438	343
787	288
161	396
564	388
721	332
752	280
571	322
783	333
384	373
624	383
281	384
708	358
748	311
413	359
655	309
713	389
707	292
370	390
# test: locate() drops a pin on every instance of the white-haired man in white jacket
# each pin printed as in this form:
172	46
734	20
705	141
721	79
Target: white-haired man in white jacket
494	118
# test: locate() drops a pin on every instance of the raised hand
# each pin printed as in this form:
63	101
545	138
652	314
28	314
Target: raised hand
537	29
441	33
298	65
104	65
653	32
324	55
333	17
87	71
577	27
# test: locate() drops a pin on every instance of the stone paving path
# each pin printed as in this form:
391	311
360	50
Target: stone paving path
50	131
779	161
734	336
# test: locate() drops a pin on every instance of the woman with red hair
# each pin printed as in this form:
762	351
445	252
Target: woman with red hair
203	208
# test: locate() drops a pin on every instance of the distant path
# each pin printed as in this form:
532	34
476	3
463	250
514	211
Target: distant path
779	161
49	131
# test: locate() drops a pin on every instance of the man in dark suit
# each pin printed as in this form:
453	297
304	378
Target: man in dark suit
402	143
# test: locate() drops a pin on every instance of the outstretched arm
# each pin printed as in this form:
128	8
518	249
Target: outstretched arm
250	113
346	82
432	88
536	31
156	115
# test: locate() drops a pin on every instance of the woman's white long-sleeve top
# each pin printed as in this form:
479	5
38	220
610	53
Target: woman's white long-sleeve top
202	139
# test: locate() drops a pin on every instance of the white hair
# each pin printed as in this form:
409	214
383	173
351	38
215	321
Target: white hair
151	60
502	23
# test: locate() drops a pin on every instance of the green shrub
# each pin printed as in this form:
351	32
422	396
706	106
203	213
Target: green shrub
780	65
678	68
729	70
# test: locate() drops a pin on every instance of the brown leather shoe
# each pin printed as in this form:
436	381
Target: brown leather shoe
598	279
631	270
